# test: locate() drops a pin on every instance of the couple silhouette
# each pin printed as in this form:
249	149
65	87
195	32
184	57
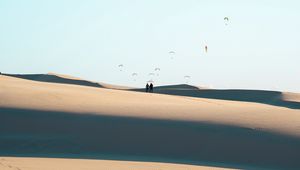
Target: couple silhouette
149	88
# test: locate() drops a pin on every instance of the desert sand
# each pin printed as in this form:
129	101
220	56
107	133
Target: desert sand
9	163
53	116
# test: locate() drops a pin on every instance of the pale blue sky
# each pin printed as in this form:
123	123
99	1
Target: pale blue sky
258	49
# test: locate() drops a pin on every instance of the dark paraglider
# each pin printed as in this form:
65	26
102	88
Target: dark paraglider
226	20
120	66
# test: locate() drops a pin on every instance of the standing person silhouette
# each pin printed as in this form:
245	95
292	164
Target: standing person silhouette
147	87
151	87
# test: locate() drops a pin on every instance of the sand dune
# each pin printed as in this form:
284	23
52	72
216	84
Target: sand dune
276	98
289	100
63	120
53	78
293	97
64	79
9	163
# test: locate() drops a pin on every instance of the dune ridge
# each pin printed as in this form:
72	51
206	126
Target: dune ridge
276	98
65	79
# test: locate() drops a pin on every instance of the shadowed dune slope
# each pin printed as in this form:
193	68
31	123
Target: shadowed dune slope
59	134
61	120
289	100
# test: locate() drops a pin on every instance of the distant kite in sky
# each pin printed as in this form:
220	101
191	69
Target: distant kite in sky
121	67
206	48
151	74
187	78
157	70
172	53
226	20
134	75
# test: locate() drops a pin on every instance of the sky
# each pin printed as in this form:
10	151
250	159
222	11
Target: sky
258	48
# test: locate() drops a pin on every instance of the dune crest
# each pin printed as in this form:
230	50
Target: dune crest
276	98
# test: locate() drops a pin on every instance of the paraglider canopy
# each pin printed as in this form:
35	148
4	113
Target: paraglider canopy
187	78
172	53
120	66
151	74
157	70
134	75
226	19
